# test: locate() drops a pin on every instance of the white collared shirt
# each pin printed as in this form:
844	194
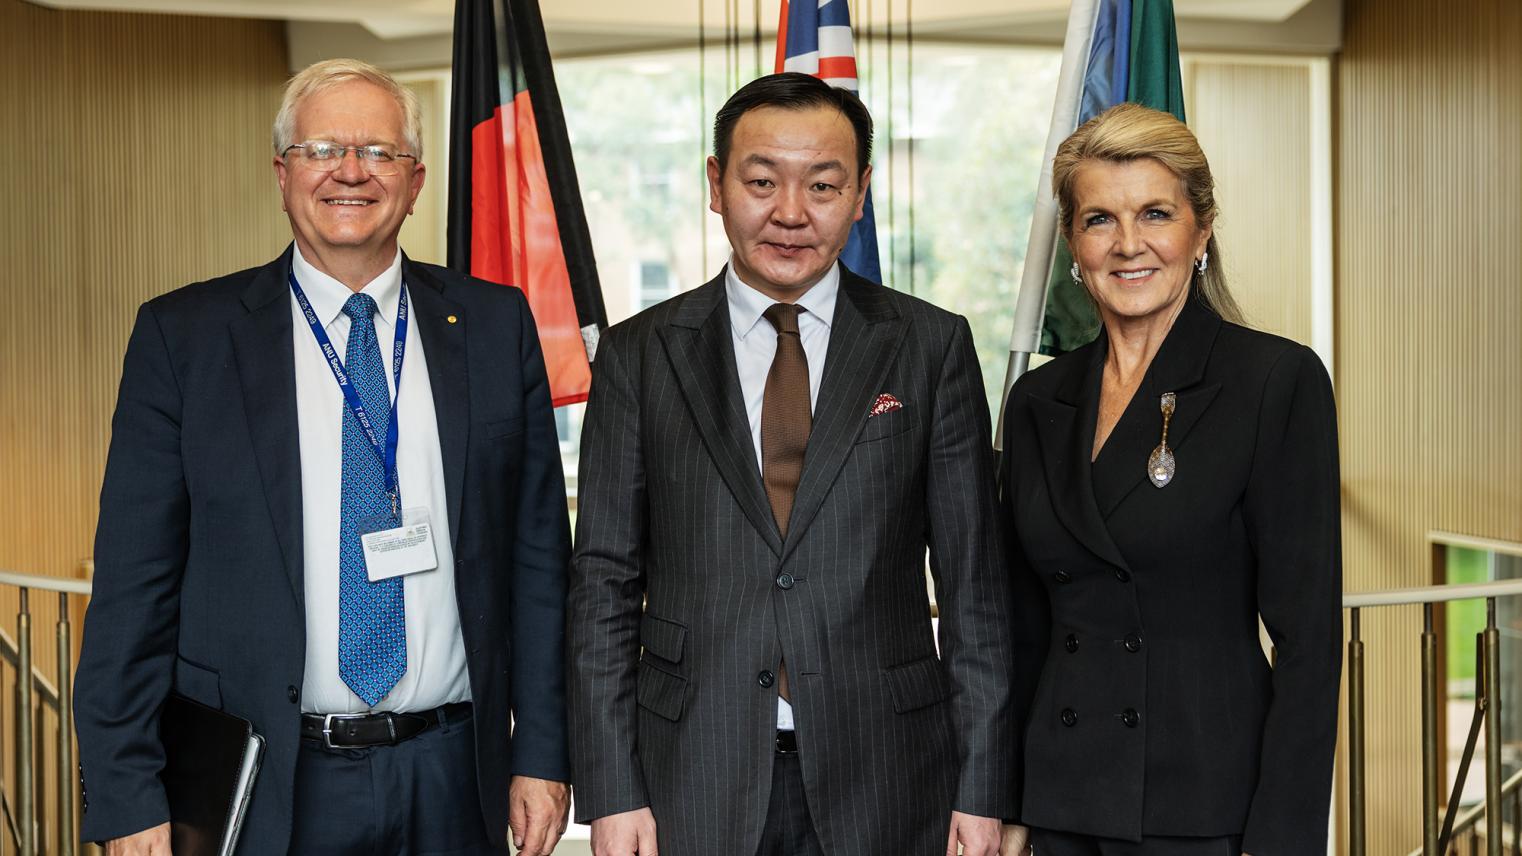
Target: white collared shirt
755	342
436	671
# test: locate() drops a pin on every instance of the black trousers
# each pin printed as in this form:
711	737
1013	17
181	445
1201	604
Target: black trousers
417	798
789	830
1045	842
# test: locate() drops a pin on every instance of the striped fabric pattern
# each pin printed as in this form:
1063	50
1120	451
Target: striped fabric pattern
684	592
816	39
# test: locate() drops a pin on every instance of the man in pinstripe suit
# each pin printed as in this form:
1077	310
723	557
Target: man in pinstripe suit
764	461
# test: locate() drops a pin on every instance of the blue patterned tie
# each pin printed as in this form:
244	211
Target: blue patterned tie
372	625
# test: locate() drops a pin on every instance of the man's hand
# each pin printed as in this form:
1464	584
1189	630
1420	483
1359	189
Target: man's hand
1017	841
629	833
150	842
536	814
979	836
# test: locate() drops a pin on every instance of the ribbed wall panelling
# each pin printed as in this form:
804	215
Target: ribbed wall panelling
138	159
1253	121
1429	360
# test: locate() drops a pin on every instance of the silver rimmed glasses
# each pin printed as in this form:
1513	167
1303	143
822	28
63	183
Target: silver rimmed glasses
326	156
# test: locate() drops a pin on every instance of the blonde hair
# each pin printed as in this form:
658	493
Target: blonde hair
329	73
1129	132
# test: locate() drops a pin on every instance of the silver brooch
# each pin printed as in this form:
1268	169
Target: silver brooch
1160	464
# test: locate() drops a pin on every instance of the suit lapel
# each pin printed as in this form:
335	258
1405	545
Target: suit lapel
1065	428
865	335
1179	367
264	352
702	356
444	343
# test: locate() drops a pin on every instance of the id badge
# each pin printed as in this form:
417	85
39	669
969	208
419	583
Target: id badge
393	551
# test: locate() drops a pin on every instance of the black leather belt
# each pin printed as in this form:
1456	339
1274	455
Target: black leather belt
360	730
787	743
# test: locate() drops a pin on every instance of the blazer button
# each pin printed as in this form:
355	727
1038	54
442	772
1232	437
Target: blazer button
766	678
1069	718
1123	575
785	581
1133	642
1062	577
291	695
1130	717
1072	644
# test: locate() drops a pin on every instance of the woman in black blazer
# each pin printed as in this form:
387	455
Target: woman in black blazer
1164	488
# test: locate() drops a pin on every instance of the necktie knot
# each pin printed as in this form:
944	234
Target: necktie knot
360	307
783	317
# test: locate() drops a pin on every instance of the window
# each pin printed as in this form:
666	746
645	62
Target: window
654	282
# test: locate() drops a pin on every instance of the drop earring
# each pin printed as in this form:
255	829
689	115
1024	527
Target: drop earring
1204	263
1077	277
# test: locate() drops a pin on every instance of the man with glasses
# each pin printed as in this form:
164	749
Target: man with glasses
334	507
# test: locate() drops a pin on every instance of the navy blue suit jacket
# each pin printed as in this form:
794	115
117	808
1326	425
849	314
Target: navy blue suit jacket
198	581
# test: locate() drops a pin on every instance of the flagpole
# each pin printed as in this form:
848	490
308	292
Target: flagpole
1030	304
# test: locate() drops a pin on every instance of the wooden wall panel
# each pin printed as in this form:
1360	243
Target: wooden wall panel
137	159
1429	360
1253	121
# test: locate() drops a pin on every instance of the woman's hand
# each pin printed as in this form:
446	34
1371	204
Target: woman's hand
1017	841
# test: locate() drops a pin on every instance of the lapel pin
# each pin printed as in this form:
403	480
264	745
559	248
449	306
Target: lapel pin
1160	464
452	319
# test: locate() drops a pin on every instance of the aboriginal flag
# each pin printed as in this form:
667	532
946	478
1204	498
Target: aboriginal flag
515	213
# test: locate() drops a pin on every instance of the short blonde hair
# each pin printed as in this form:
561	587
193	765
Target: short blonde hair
1129	132
329	73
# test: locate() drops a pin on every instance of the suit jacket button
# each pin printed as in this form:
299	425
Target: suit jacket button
1123	575
291	695
766	678
1069	717
785	581
1072	644
1062	577
1133	642
1130	717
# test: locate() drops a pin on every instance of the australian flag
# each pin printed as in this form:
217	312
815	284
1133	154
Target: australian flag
814	37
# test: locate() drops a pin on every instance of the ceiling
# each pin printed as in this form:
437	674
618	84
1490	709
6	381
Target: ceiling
395	19
405	35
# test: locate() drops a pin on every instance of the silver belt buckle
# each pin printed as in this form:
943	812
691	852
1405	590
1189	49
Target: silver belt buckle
327	726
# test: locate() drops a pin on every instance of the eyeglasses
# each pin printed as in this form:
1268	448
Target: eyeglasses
326	156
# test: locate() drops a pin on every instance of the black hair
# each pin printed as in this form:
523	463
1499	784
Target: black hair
792	90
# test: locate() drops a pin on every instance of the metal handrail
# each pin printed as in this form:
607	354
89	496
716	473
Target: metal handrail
1417	595
1435	838
32	686
44	687
61	585
1468	819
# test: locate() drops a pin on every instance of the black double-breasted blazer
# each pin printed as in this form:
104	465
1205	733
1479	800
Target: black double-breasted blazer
1156	711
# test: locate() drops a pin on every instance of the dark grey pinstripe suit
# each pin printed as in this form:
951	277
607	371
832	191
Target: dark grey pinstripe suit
672	511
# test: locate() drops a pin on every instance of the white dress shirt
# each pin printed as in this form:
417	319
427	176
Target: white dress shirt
755	341
436	672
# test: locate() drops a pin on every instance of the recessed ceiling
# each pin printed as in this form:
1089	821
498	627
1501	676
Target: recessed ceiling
395	19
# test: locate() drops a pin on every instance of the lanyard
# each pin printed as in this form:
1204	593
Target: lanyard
385	451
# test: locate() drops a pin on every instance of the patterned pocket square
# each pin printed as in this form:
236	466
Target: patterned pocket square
885	403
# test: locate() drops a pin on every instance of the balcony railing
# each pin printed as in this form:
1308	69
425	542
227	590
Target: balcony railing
28	831
44	823
1438	835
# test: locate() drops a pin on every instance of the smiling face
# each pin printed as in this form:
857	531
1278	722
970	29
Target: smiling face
348	213
1135	238
788	195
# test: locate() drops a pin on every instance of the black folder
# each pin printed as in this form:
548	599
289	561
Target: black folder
211	761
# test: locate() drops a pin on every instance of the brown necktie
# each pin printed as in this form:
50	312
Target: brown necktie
785	414
785	421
